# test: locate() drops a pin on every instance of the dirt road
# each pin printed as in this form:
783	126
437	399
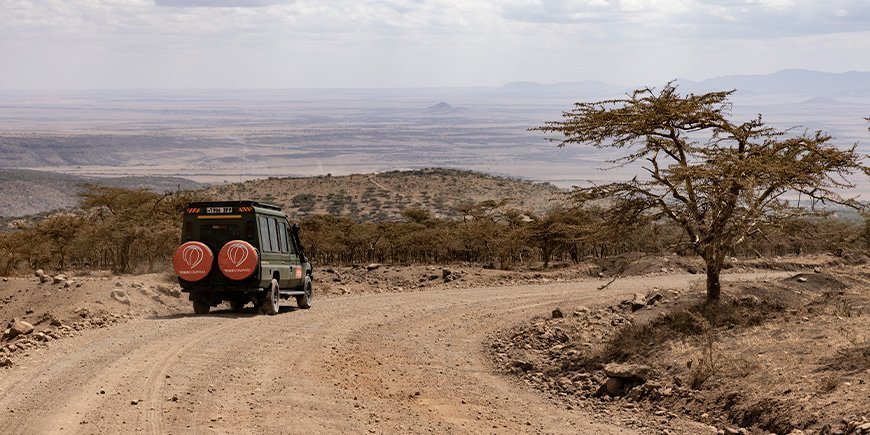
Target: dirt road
381	363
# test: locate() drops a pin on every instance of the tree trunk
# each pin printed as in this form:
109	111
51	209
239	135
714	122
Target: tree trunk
714	287
713	259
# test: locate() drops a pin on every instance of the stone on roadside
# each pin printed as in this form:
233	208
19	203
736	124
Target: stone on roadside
635	303
169	291
19	327
633	372
121	296
654	298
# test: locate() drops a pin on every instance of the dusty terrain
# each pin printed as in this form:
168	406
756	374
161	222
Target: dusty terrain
393	362
781	355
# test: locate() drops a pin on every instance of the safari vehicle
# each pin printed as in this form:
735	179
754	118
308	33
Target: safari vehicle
240	252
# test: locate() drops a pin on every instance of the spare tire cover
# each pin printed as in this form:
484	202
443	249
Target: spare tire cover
192	261
238	260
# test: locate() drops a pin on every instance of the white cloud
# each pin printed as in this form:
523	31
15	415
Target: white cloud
288	43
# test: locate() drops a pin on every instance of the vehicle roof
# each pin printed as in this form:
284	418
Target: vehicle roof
262	206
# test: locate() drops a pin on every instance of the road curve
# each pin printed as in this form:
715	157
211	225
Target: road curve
379	363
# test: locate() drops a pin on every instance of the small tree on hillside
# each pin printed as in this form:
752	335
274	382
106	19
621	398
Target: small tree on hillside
719	180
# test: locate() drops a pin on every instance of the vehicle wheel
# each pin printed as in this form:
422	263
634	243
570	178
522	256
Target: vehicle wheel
304	301
201	307
271	300
237	306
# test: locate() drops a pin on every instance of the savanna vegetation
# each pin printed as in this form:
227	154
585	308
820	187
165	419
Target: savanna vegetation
132	230
707	186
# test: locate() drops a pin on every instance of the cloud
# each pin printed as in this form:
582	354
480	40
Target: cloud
699	18
218	3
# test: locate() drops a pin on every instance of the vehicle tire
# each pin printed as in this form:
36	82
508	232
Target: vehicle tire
271	300
200	307
236	306
304	301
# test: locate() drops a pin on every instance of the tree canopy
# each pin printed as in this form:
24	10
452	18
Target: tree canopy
719	180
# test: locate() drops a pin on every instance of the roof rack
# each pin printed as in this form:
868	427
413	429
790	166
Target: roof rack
234	204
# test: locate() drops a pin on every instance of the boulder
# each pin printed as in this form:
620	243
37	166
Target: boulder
654	298
557	314
121	296
373	266
59	279
39	273
632	372
19	327
169	291
635	303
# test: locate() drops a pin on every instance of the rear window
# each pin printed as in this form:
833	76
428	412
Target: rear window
215	235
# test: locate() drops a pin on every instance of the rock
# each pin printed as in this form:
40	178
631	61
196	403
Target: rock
636	303
41	337
730	431
134	402
59	279
557	314
169	291
373	266
119	284
5	361
39	273
580	311
19	327
817	270
121	296
802	279
654	298
634	372
749	300
522	365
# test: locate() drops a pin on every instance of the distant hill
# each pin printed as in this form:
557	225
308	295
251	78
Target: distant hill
26	192
439	108
789	81
383	196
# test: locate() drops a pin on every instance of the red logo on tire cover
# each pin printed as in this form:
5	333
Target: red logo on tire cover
192	261
238	260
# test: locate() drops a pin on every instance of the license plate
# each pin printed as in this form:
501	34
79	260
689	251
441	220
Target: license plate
218	210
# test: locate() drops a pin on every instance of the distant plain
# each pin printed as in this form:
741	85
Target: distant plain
225	136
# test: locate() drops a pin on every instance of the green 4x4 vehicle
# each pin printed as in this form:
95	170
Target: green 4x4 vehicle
241	251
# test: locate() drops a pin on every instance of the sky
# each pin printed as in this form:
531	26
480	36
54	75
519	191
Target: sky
243	44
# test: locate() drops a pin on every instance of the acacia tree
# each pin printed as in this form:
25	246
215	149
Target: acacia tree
719	180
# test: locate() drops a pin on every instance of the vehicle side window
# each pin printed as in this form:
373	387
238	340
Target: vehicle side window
264	234
282	236
273	234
